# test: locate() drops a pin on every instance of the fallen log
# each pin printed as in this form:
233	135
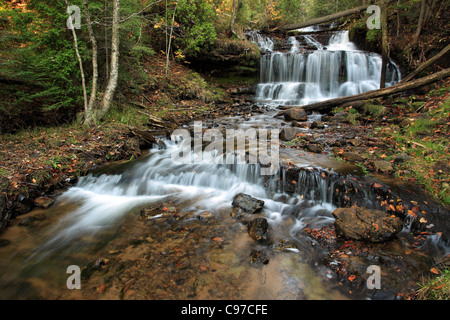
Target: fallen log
327	105
322	20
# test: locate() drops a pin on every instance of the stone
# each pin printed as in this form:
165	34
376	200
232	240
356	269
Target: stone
317	125
403	157
43	202
257	228
247	203
297	114
315	148
357	223
352	157
289	133
286	245
382	166
259	257
356	142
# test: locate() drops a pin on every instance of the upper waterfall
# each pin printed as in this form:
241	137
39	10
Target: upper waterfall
301	76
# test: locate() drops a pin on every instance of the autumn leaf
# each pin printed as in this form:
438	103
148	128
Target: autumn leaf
351	278
434	270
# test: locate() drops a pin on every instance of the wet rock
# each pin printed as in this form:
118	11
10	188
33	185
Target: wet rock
286	245
382	166
357	223
297	114
257	228
287	134
356	142
43	202
29	221
315	148
317	125
247	203
93	266
259	257
352	157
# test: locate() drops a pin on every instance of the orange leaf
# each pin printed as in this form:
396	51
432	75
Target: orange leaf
351	278
434	270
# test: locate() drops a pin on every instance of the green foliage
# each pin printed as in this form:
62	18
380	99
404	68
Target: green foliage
197	19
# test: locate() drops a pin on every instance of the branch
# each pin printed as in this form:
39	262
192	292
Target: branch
138	13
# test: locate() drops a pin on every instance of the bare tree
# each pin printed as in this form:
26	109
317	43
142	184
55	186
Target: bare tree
115	53
89	114
77	51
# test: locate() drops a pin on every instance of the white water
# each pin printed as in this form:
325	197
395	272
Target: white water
300	77
104	200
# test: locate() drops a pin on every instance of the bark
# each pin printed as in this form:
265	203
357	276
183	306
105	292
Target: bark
233	15
114	73
428	63
326	19
89	115
169	46
80	61
421	22
325	106
385	44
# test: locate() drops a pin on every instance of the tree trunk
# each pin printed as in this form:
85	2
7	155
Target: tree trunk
114	73
326	19
169	46
233	15
89	115
421	22
80	61
385	44
327	105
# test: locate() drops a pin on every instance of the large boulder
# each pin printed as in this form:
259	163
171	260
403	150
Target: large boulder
357	223
247	203
289	133
297	114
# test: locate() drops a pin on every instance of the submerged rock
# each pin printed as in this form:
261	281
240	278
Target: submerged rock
259	257
247	203
357	223
257	228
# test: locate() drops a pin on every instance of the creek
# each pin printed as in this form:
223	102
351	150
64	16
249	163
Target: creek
163	229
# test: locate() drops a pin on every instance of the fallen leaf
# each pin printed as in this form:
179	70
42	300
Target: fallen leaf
434	270
351	278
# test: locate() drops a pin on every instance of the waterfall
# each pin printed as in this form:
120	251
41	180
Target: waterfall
300	76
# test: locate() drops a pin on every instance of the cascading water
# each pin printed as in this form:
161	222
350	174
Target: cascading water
300	76
293	201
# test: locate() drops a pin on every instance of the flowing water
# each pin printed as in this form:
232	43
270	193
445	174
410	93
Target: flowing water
299	76
99	216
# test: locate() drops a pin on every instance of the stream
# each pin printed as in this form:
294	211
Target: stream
156	228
